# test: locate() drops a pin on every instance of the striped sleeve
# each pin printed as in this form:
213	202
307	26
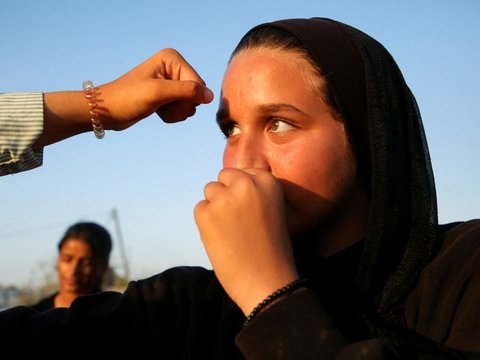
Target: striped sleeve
21	123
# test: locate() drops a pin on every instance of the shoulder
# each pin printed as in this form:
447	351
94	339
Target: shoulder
457	256
163	294
460	246
464	230
181	276
45	303
444	303
177	281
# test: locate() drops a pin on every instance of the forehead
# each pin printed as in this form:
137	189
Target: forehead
77	247
270	76
257	59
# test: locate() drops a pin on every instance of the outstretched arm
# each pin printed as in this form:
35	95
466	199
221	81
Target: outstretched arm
165	83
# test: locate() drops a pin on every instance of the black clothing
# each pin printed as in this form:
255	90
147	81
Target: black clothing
441	311
45	303
184	313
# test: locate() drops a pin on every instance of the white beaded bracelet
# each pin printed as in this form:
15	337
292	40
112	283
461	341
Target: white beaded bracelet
89	91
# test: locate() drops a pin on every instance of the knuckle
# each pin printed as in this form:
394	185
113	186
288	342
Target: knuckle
191	89
170	51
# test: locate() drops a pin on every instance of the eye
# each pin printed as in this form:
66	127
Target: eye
230	129
280	126
66	258
234	130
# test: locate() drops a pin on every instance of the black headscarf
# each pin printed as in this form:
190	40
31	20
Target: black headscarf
385	125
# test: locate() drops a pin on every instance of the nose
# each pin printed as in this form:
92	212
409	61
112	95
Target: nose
246	152
77	269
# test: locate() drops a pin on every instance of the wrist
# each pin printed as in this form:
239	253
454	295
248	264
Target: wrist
91	94
274	297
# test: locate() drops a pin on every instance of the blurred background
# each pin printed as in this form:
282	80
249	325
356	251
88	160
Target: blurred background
142	184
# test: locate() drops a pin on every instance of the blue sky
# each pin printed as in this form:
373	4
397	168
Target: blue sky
154	173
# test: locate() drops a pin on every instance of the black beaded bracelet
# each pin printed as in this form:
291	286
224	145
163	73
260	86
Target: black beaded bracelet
294	285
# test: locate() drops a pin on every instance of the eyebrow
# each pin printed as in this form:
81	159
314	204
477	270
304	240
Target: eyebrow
223	113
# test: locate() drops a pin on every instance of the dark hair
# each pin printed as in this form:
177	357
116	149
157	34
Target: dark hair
95	235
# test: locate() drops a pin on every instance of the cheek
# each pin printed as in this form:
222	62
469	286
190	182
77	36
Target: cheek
62	267
87	271
320	170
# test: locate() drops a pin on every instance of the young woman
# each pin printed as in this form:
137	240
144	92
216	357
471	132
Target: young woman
326	178
82	264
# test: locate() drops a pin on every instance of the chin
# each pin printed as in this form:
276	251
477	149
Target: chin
302	227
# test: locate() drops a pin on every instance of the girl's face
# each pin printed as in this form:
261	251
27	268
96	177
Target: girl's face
78	272
274	118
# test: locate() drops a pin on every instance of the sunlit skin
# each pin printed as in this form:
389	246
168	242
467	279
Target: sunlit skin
274	124
289	173
78	272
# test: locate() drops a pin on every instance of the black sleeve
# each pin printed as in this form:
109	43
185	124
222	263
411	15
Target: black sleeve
104	325
180	313
59	332
298	327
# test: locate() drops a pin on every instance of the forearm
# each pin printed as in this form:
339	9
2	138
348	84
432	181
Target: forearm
66	113
164	84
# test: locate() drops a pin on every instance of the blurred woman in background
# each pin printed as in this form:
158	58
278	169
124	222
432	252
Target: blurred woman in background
82	263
